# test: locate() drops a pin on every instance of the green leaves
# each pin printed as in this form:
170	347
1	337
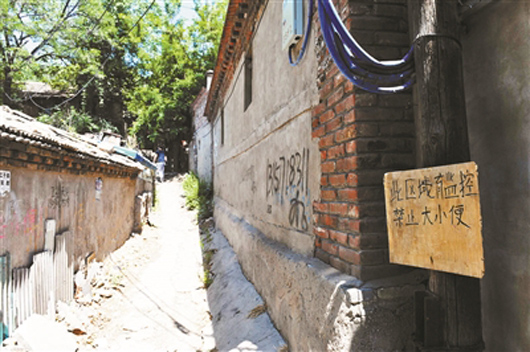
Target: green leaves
134	63
173	72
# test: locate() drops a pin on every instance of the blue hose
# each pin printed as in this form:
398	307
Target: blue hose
306	36
352	44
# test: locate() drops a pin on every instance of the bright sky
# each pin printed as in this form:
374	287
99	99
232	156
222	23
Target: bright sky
187	11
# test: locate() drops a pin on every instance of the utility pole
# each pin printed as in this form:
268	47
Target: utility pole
450	315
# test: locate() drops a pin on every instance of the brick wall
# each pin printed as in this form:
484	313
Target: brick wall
361	136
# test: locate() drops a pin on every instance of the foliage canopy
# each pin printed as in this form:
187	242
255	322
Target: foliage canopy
136	64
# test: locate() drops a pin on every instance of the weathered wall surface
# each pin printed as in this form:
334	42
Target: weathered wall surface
495	49
266	164
101	220
203	140
316	307
201	154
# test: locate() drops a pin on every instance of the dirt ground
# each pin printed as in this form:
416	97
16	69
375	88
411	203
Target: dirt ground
149	294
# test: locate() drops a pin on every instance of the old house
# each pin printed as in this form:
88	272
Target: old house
53	182
40	98
200	149
299	154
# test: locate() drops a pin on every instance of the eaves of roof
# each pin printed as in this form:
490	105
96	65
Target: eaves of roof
25	130
237	32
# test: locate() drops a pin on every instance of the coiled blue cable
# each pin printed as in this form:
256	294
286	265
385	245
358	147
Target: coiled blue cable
355	63
356	49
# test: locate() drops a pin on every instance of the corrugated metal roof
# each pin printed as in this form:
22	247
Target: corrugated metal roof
21	128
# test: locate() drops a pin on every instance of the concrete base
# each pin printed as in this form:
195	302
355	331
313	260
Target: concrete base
314	306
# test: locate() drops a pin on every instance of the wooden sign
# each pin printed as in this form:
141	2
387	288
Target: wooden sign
433	219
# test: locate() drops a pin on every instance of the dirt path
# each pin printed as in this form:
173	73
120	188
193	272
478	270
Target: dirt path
149	296
152	297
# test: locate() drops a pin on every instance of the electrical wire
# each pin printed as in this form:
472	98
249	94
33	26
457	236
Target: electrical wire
306	36
85	86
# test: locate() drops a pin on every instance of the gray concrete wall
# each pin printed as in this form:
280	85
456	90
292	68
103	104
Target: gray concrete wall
315	307
496	60
268	167
99	225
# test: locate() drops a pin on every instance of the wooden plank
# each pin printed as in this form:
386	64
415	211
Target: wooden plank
433	219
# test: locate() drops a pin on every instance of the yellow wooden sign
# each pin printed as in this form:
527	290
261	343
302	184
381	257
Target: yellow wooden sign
433	219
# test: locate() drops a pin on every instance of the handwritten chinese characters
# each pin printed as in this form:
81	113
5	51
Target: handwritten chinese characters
287	183
433	218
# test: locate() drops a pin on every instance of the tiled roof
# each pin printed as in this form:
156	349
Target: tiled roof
21	128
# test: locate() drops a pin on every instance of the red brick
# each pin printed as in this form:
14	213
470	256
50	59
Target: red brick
323	155
336	151
349	255
326	141
329	220
328	167
338	209
339	264
347	164
318	132
333	71
324	181
318	242
350	117
354	241
349	225
320	232
325	117
366	100
337	180
338	236
338	79
345	104
335	96
348	87
351	147
319	109
330	248
334	124
320	207
326	89
353	211
346	133
348	194
320	254
352	180
329	195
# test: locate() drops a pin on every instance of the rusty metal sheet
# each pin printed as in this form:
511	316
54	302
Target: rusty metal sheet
434	220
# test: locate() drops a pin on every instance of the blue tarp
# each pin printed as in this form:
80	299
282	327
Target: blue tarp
135	155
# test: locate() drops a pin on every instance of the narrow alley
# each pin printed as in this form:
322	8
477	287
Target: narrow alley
150	295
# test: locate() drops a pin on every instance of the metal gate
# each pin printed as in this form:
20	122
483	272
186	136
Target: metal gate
4	295
37	289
